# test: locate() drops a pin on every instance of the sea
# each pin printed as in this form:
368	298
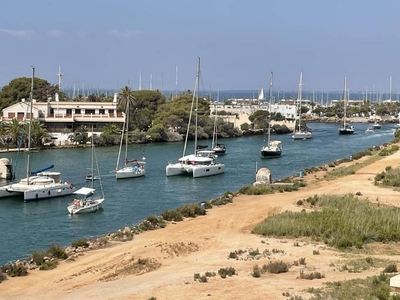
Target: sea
34	226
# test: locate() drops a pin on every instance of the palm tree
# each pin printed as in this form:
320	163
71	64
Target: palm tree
14	129
39	133
111	129
126	96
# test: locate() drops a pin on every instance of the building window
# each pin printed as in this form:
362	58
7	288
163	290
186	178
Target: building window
101	111
77	111
90	111
69	111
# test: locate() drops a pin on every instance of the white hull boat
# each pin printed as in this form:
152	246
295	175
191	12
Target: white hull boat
87	204
130	172
302	135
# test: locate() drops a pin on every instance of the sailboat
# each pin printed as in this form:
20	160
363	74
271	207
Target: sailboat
38	184
202	163
301	133
218	148
346	128
132	167
86	201
272	148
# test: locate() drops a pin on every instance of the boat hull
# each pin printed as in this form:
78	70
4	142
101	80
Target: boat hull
49	191
5	192
302	135
175	169
346	132
207	170
271	153
89	207
130	172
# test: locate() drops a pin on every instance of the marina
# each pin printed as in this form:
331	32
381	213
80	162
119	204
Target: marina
37	225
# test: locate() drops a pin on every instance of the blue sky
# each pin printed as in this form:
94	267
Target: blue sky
106	44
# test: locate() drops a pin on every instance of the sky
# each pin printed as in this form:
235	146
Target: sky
106	44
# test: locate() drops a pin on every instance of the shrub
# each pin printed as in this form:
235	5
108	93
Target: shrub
80	243
256	272
277	267
172	215
57	251
38	257
223	272
391	268
48	265
233	255
15	270
2	276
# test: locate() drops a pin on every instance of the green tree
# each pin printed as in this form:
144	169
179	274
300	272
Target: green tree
20	88
110	129
14	128
38	133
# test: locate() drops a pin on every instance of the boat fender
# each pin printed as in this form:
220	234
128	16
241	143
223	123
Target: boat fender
71	185
59	190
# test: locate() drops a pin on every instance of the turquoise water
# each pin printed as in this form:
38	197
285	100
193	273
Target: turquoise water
27	227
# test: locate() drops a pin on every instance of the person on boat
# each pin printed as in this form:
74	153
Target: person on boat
76	203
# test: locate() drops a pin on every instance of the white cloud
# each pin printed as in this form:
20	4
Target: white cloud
55	33
17	33
125	34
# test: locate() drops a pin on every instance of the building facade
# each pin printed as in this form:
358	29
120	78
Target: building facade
61	119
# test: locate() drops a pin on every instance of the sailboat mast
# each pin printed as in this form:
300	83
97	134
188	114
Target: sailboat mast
127	129
299	97
215	132
197	105
269	109
92	158
345	100
28	164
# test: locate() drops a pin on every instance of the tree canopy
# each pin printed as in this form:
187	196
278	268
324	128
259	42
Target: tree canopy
20	88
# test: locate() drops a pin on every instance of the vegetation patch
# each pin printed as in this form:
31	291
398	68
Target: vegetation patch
229	271
339	221
375	287
388	178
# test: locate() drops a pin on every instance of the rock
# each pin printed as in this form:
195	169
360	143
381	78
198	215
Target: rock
263	176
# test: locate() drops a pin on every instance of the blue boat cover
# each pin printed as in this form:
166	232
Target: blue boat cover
41	170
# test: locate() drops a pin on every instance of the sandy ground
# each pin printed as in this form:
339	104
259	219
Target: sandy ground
203	245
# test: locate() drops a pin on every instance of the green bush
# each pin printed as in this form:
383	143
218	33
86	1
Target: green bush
15	270
172	215
277	267
38	257
2	277
57	251
48	265
80	243
391	268
223	272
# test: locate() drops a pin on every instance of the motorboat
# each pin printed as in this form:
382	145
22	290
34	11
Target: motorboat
85	202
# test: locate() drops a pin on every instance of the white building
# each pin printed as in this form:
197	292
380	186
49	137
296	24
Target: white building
63	118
